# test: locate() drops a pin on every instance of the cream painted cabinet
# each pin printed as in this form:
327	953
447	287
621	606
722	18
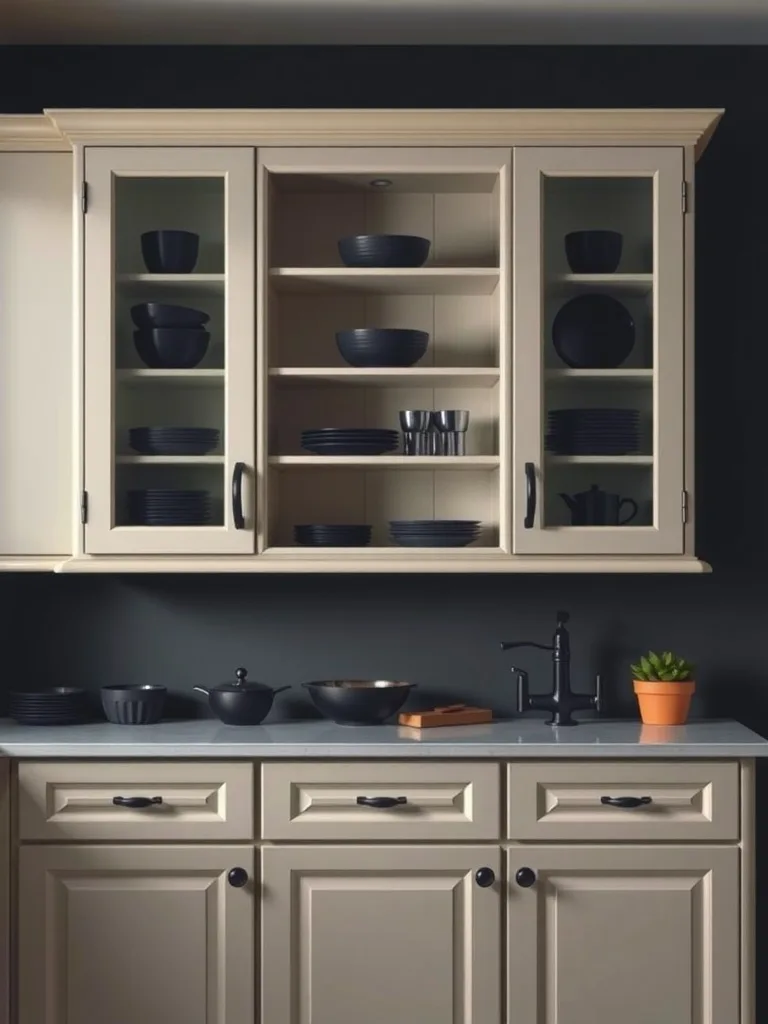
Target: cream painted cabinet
135	935
635	934
396	933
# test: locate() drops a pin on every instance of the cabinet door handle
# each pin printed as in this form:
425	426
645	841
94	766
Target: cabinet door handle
237	877
382	801
530	495
625	801
237	495
136	801
485	877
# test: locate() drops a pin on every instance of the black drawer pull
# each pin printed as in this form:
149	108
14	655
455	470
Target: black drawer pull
382	801
136	801
625	801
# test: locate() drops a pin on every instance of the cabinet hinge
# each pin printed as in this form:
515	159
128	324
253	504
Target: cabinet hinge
84	507
84	196
684	505
684	197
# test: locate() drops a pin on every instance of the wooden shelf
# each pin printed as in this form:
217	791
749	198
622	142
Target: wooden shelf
397	281
619	375
408	376
195	378
185	279
452	462
607	284
600	460
170	460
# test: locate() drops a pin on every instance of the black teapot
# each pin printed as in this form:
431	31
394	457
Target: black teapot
596	507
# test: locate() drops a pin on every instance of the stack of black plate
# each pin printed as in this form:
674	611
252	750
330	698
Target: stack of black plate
159	507
58	705
434	533
593	431
173	440
332	536
349	441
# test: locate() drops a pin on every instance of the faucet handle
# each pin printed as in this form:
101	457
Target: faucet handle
523	698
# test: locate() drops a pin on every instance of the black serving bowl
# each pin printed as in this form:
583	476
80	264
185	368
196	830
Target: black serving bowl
176	348
358	701
384	250
593	252
147	315
170	252
133	705
382	346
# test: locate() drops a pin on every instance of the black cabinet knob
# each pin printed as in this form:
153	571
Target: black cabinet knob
237	877
525	877
136	801
627	802
485	877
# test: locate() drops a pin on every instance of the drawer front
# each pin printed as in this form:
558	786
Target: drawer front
448	800
692	800
71	801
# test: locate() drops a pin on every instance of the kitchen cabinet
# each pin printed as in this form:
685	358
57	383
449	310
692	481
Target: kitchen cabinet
126	934
404	932
633	933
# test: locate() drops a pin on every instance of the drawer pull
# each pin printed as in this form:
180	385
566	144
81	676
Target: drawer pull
237	877
525	877
136	801
485	877
382	801
625	801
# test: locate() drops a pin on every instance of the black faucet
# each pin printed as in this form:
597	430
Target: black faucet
562	701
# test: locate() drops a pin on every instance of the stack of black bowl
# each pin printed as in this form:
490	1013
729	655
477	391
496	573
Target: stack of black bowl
57	705
173	440
384	250
382	346
158	507
349	441
593	431
434	533
332	536
170	337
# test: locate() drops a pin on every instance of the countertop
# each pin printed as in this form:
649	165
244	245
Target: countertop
518	738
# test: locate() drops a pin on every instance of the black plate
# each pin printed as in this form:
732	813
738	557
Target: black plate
348	449
432	542
593	332
434	524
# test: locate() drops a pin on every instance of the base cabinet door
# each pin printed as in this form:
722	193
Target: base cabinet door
631	934
381	935
135	935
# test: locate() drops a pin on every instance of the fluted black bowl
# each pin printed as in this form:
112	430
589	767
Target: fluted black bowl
170	252
133	705
593	252
384	250
358	701
382	346
147	315
173	348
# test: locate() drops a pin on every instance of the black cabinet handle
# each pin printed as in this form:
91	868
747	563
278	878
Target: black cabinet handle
382	801
237	877
136	801
237	495
625	801
525	877
485	877
530	495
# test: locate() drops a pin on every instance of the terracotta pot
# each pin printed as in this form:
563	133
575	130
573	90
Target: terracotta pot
664	703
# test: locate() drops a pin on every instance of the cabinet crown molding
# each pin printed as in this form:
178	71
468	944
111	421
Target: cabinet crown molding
683	127
28	132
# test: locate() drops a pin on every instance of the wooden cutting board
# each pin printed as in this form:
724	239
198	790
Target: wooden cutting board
452	714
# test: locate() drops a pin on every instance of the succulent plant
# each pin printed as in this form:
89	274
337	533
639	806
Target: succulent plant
665	668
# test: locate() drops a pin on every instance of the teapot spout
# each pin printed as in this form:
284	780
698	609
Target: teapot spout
570	501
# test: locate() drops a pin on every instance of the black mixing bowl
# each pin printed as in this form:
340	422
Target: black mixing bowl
358	701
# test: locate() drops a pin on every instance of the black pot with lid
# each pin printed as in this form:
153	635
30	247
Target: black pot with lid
241	702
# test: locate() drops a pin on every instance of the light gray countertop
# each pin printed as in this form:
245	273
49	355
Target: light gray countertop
519	738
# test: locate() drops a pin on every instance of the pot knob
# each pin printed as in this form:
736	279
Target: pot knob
240	674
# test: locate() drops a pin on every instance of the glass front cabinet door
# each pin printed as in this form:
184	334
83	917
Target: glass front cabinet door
598	334
169	351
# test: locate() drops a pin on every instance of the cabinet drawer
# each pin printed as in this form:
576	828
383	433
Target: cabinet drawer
449	800
73	800
697	800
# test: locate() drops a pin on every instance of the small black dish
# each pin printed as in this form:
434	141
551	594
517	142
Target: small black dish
593	252
384	250
172	348
170	252
133	705
147	315
358	701
172	440
593	332
382	346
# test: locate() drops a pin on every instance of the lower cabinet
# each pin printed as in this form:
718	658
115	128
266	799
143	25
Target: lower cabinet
135	935
641	935
384	935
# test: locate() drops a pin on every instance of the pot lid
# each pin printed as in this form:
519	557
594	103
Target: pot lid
239	684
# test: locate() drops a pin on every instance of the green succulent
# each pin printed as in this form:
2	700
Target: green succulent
665	667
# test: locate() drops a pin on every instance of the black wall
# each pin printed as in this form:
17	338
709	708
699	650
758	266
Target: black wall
443	632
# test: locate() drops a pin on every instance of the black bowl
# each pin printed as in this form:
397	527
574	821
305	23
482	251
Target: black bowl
384	250
170	252
159	314
173	348
593	252
593	332
358	702
133	705
382	346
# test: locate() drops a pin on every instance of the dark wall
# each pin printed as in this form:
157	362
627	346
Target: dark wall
443	632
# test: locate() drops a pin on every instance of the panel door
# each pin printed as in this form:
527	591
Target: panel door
599	403
380	934
135	935
630	934
187	490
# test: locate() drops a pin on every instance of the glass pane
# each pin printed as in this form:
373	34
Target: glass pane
598	343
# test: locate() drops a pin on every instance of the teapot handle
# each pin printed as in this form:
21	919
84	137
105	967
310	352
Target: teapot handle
632	514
